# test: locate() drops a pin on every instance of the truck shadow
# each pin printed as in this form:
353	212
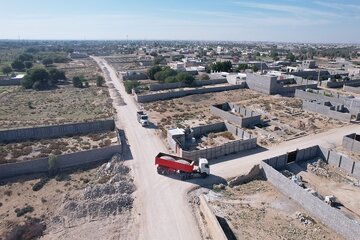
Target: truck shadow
207	182
151	126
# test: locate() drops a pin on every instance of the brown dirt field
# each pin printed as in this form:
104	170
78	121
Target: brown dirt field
332	182
65	104
256	210
14	152
284	113
51	206
80	67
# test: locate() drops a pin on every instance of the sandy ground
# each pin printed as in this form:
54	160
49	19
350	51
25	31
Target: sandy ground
333	183
50	205
256	210
62	105
14	152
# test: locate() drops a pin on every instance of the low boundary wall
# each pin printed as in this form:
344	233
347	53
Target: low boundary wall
329	216
351	89
200	83
65	161
247	142
351	142
248	119
326	110
341	84
213	225
183	93
10	82
55	131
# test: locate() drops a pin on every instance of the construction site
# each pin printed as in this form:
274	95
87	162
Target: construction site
279	115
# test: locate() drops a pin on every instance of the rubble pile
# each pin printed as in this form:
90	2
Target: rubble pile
110	195
318	168
304	219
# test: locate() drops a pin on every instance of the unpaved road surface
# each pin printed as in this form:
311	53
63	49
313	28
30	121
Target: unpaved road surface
161	201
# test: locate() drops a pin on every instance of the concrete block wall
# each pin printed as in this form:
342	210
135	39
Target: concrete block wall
213	225
219	151
329	216
205	129
341	84
10	82
351	142
200	83
351	89
65	161
183	93
248	119
326	110
55	131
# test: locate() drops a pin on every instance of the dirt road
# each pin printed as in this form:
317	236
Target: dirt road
164	212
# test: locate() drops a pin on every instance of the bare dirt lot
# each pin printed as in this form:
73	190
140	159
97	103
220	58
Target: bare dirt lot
257	211
283	117
330	181
81	67
62	105
88	204
14	152
125	63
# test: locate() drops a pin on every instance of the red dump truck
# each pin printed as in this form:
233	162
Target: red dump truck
169	164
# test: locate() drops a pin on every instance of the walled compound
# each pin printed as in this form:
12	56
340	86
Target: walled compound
210	141
337	218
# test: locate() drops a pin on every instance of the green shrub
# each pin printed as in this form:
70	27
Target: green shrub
22	211
40	184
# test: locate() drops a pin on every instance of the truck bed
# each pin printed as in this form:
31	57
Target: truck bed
172	164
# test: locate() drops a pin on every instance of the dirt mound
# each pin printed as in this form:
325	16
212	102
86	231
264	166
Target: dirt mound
110	195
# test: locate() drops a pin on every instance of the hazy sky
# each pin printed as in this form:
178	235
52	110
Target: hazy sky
273	20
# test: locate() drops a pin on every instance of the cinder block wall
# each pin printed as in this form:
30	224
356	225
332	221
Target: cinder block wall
249	119
166	86
10	82
329	216
65	161
182	93
325	110
351	142
55	131
352	89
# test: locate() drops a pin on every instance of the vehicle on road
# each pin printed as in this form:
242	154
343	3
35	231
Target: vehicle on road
169	164
142	118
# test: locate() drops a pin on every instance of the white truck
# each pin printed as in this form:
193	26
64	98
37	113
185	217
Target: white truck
142	118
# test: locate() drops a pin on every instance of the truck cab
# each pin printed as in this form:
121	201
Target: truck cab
142	118
204	168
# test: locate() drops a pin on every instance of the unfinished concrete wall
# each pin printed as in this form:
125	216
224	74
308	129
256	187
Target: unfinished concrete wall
260	83
325	110
200	83
351	89
219	151
341	84
55	131
213	225
183	93
65	161
329	216
248	118
10	82
351	142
